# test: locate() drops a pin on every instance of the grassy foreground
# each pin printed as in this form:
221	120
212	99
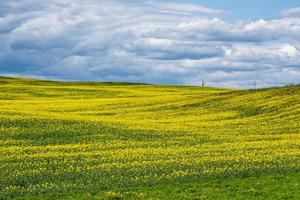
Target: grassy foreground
115	141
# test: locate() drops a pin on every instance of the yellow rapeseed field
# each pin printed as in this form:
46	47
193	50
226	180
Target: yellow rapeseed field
62	137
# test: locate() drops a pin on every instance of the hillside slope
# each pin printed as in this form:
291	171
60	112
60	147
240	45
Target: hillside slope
83	138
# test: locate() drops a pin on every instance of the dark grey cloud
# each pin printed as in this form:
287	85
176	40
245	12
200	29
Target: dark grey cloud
149	41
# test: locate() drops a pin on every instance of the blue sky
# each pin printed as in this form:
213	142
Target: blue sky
227	43
249	9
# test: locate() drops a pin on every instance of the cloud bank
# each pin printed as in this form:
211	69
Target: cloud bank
149	41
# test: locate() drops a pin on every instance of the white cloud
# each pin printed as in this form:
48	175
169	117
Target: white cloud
149	41
187	8
292	12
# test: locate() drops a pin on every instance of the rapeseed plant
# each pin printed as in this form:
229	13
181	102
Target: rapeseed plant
64	136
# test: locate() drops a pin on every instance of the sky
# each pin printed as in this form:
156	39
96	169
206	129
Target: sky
248	9
227	43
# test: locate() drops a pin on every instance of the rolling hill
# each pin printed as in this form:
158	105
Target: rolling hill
138	141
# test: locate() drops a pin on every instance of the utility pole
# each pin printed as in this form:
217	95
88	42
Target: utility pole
203	83
254	85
